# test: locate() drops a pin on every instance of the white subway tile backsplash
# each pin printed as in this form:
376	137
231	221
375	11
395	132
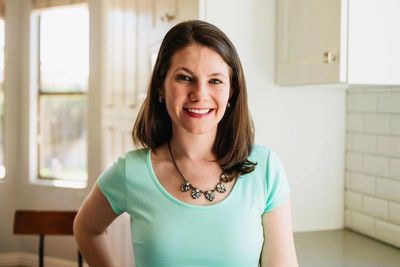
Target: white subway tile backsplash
353	200
395	124
394	168
394	212
377	123
373	163
361	223
357	91
388	232
354	161
375	207
362	102
354	122
362	183
376	165
389	102
377	89
388	189
364	143
388	146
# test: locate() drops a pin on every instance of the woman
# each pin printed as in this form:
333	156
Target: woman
199	192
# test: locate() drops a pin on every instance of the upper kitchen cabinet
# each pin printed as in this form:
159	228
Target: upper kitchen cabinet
354	42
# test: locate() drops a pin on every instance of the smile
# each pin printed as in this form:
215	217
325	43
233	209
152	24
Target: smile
199	111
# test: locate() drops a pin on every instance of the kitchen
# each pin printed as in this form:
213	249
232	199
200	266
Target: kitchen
336	130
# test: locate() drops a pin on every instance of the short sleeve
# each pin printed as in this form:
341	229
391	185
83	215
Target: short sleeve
277	186
112	183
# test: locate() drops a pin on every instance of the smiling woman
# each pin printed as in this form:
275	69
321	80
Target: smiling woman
199	192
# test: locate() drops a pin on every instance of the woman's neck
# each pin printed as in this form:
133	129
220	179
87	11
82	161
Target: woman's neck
193	147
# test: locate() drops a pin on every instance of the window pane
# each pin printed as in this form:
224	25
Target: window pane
62	143
2	109
64	49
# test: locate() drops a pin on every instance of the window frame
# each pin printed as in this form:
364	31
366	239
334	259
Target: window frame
35	95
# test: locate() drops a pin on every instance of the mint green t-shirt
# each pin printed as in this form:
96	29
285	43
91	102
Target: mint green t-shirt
167	232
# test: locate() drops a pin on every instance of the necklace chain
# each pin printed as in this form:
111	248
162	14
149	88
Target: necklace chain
196	192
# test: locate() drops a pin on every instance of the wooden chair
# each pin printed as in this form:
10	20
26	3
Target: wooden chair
35	222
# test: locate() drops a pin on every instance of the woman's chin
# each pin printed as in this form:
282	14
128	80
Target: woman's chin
195	130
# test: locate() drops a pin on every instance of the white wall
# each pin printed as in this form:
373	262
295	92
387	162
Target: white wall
304	125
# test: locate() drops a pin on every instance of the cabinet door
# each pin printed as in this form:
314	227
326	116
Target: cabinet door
374	42
306	30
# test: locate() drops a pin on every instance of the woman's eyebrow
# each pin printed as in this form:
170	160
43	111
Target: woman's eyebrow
184	69
189	71
218	74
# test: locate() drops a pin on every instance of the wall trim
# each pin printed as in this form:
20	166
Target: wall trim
8	259
31	260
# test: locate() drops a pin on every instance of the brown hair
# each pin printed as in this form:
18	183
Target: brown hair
235	133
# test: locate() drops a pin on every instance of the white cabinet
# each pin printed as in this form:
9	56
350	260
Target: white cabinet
355	42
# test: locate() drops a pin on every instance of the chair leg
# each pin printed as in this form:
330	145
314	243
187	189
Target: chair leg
80	259
41	250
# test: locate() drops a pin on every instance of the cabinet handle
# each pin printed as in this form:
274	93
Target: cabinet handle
329	57
167	17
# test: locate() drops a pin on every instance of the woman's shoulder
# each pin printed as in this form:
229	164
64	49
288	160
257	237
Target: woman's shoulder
132	156
260	151
137	153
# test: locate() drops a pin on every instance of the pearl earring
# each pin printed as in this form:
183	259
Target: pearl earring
160	99
228	105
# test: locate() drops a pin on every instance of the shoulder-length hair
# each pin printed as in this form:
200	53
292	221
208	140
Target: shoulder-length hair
235	133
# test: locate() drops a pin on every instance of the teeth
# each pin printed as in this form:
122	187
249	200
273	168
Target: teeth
198	111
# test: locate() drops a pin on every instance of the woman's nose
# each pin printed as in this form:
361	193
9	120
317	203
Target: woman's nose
199	91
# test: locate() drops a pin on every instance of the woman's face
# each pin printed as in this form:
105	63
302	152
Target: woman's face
196	90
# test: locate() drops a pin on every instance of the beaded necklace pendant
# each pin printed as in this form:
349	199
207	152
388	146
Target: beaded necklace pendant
196	192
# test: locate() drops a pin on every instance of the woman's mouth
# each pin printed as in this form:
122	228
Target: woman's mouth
198	112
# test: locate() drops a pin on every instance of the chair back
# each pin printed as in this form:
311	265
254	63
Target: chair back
44	222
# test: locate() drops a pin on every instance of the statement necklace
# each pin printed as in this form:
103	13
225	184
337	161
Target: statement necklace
196	193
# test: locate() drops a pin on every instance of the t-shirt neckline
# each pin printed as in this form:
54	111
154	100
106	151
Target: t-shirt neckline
181	203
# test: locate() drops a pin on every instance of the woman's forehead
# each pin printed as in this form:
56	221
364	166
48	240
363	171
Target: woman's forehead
197	57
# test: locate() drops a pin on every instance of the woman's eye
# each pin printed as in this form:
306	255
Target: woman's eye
184	78
215	81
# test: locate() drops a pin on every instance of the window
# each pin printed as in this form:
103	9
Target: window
62	71
2	106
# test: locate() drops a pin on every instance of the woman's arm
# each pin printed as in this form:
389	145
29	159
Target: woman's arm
93	217
278	249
